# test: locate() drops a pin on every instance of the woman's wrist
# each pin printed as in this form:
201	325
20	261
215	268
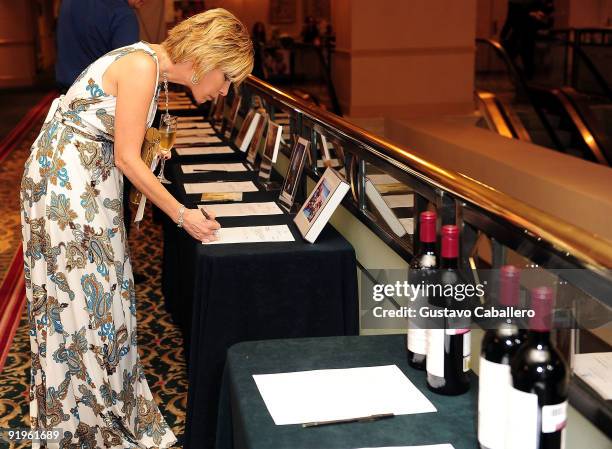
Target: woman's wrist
180	216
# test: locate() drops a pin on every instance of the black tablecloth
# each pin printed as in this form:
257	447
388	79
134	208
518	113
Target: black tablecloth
244	421
224	294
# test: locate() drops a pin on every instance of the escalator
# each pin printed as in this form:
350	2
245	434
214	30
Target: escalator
558	117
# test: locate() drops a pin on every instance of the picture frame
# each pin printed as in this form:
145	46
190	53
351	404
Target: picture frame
283	11
294	172
321	204
256	140
270	153
228	124
247	129
219	108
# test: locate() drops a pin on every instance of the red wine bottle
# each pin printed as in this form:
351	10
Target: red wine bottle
448	349
499	346
538	397
422	272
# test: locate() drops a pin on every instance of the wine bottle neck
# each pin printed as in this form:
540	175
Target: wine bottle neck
428	248
537	336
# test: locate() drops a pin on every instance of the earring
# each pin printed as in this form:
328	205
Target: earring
195	79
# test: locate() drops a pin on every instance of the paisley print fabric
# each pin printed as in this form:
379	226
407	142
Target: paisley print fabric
86	378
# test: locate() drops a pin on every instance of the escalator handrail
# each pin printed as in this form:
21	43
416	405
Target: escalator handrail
597	142
591	250
575	44
521	84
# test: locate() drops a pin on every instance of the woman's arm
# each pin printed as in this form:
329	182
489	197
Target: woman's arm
134	77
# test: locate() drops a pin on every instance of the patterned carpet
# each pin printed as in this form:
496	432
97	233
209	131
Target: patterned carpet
160	342
11	170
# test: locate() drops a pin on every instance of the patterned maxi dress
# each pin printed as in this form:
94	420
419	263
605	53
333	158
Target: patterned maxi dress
86	378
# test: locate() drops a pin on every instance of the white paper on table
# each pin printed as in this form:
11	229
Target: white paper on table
189	119
196	139
198	125
596	370
221	186
334	163
253	234
325	395
197	151
230	167
382	179
429	446
408	224
243	209
196	132
395	201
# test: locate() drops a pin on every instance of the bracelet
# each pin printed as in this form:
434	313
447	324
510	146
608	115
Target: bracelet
180	220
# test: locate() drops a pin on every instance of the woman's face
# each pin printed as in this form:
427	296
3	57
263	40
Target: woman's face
210	86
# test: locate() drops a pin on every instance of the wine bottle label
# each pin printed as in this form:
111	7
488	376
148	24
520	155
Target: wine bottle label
494	383
522	420
417	341
428	261
554	417
435	352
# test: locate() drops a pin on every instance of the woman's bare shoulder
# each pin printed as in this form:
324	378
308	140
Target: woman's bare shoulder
138	65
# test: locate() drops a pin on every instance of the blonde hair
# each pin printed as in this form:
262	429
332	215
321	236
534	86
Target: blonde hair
214	39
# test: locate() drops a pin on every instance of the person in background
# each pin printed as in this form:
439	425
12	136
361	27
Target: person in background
310	32
86	30
518	35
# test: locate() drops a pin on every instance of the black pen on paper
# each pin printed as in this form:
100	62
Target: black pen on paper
205	214
350	420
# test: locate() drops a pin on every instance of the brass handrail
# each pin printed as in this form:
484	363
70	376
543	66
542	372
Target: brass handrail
591	250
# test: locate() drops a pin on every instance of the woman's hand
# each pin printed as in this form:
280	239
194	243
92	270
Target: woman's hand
199	227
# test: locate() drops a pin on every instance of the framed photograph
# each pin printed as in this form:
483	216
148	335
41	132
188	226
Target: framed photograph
212	108
321	204
294	173
228	124
270	152
283	11
256	141
219	107
243	139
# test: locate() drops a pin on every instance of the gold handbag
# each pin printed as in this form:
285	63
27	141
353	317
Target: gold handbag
150	147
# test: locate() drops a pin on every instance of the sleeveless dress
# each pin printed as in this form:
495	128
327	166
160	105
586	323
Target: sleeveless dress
86	377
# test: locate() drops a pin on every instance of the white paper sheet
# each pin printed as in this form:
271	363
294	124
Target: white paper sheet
408	224
196	168
394	201
190	125
334	163
196	139
196	132
197	151
596	370
223	186
325	395
253	234
243	209
189	119
382	179
429	446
